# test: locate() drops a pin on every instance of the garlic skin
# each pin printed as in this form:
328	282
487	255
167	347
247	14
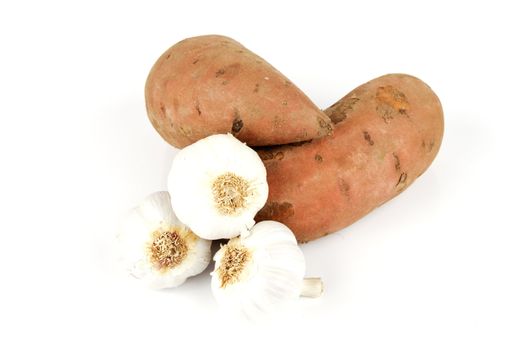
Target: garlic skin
157	248
218	184
259	272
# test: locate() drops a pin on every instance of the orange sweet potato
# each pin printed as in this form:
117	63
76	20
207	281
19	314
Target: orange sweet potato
212	84
387	132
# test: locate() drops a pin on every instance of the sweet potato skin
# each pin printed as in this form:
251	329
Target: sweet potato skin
212	84
387	133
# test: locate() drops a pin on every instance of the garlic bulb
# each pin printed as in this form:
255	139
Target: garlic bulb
218	184
256	273
157	248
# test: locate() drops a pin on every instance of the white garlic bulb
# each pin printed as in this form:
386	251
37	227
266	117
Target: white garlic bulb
157	248
218	184
261	271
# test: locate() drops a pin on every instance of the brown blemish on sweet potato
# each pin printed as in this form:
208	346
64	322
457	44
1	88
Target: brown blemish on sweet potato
237	123
344	187
396	162
162	110
325	126
266	154
392	97
277	122
256	89
228	72
276	211
427	147
339	110
389	102
198	107
337	117
318	158
186	132
195	61
368	138
402	180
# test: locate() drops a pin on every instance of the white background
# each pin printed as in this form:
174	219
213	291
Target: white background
440	267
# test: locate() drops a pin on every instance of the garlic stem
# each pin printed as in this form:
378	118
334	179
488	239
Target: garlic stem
312	287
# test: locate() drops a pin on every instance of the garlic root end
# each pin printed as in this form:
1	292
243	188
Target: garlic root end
312	287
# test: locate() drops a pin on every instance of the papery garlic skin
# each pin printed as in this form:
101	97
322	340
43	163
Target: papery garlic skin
157	248
218	184
272	276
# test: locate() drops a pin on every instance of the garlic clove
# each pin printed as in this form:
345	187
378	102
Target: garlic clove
260	272
218	184
157	248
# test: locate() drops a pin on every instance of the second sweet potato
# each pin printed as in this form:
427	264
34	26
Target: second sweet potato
387	133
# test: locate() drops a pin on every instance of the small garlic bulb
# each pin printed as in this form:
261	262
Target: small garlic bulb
157	248
259	272
218	184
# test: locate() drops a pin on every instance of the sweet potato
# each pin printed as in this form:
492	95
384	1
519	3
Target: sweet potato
387	132
331	168
212	84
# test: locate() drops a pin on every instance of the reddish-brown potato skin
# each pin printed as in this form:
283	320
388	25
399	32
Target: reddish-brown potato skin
387	132
212	84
